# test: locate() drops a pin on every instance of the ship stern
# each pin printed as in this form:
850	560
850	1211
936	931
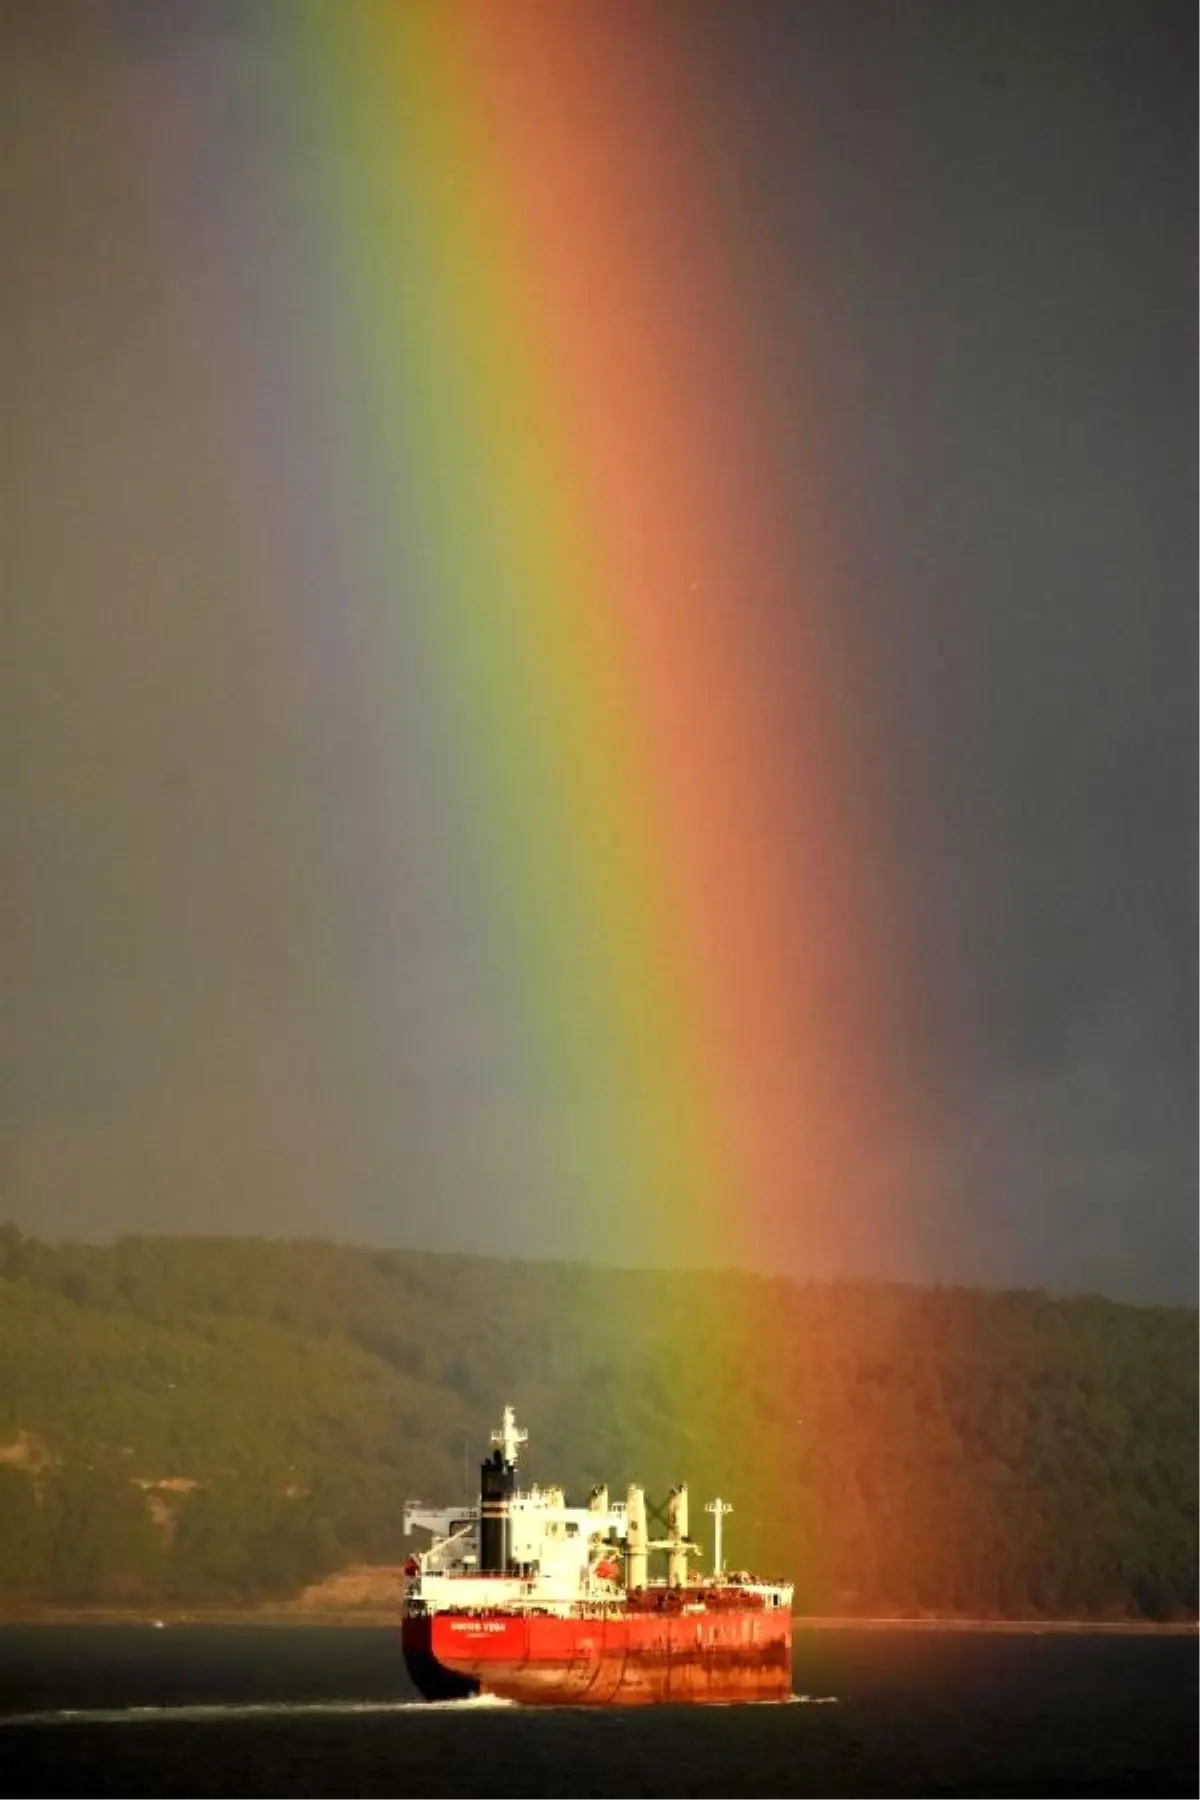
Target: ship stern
432	1678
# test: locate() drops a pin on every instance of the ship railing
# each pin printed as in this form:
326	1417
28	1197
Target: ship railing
535	1604
674	1602
667	1603
476	1575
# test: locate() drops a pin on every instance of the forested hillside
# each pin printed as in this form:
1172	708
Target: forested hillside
227	1420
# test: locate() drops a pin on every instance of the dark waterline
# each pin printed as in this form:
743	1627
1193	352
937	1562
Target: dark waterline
217	1710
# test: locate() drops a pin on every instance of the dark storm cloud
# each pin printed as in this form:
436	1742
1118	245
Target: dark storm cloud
968	234
980	310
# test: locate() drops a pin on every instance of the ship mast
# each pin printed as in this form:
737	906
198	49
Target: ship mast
677	1542
509	1439
718	1508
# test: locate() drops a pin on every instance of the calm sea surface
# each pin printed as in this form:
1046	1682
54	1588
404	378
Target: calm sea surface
252	1710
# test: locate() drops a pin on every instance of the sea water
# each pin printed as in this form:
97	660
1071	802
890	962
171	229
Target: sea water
256	1710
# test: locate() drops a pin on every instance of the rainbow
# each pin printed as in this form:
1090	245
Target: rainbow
482	337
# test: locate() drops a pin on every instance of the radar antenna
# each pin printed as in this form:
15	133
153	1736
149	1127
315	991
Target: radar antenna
509	1438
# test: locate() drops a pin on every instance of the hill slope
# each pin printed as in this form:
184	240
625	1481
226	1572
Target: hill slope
230	1419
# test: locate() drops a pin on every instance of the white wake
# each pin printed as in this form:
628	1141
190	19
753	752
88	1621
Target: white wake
266	1709
199	1713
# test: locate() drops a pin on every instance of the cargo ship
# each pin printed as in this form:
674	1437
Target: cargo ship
525	1598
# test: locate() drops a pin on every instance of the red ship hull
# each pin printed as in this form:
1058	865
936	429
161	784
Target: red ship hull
615	1659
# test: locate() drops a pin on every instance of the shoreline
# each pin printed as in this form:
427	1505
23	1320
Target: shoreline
1011	1627
382	1618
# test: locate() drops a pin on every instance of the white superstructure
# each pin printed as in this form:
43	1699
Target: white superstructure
525	1547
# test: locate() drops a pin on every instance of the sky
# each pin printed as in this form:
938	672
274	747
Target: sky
239	994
